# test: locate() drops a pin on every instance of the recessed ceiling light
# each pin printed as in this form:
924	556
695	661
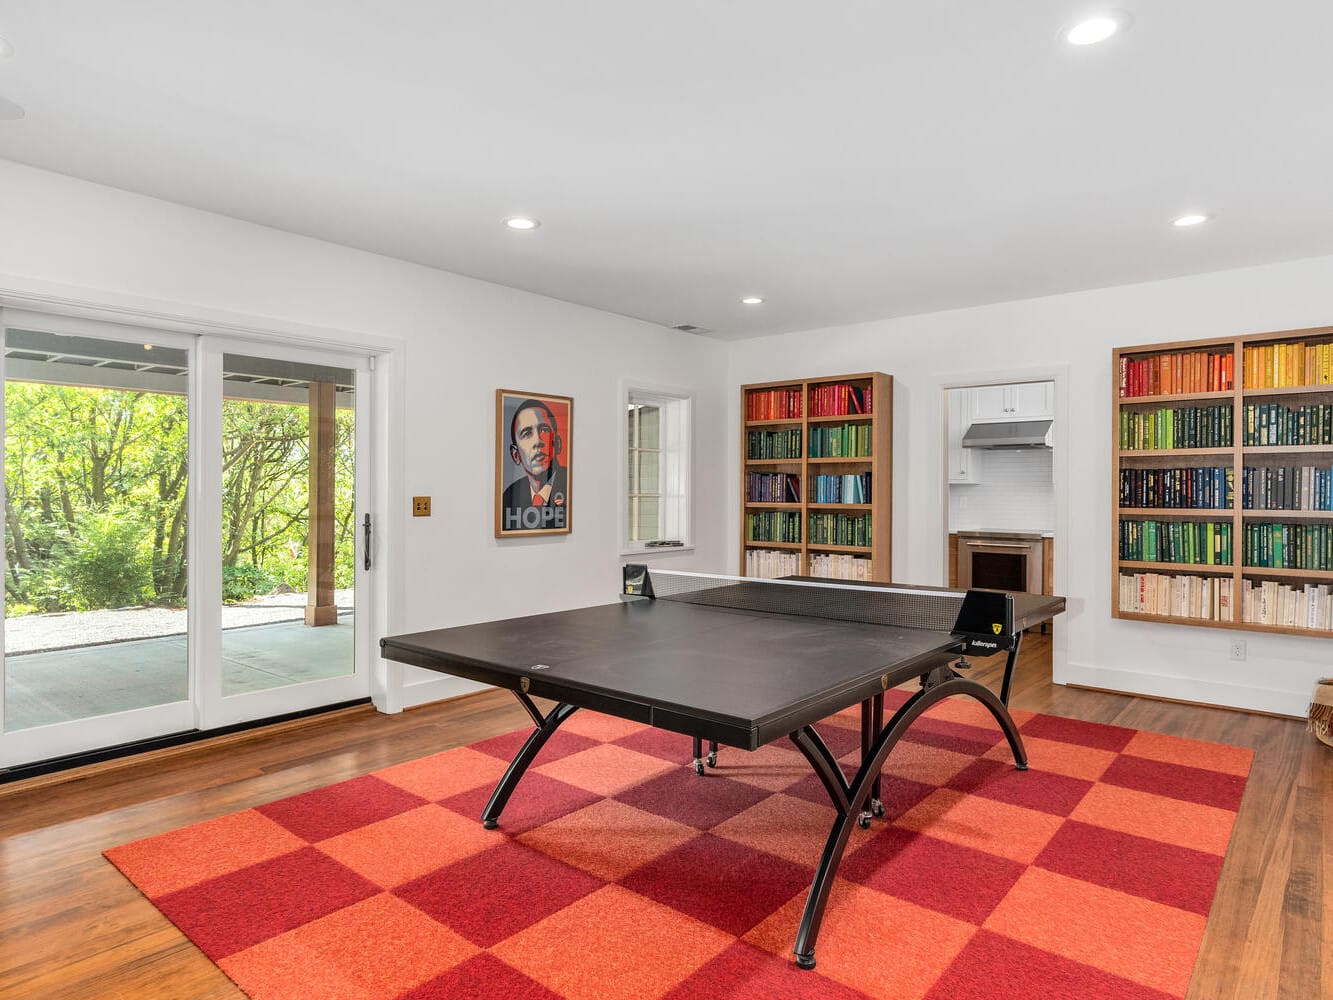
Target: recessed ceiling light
1096	29
751	300
1189	220
522	222
9	111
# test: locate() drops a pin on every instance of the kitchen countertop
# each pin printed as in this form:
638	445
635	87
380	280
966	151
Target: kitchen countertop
977	533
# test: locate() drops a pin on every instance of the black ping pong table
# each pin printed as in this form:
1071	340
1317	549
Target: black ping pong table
743	662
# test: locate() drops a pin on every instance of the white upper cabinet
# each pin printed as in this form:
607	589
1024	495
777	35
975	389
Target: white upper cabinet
964	463
1021	401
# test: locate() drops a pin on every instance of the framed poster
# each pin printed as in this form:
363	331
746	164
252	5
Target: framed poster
533	449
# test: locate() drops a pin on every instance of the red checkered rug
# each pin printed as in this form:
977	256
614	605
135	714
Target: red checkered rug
617	872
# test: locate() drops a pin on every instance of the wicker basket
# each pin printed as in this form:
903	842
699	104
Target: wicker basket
1321	711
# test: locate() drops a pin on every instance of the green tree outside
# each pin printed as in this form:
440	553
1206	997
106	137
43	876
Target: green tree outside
95	510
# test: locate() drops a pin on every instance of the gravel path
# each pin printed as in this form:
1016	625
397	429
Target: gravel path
68	629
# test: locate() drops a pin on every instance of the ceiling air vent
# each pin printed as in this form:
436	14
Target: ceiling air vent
689	328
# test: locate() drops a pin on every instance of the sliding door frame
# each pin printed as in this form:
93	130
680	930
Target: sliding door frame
204	707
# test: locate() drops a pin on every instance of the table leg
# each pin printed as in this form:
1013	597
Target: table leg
849	799
1009	669
546	726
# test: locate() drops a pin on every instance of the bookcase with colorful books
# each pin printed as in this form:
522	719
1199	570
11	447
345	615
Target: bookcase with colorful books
1224	474
816	479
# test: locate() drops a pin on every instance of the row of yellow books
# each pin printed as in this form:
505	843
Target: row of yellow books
1279	365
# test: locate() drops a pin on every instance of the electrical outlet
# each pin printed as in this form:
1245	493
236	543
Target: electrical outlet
1238	649
421	506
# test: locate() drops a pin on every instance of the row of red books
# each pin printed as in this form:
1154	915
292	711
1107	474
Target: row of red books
839	400
1176	373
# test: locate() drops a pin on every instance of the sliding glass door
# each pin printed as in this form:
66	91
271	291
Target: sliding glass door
183	541
290	532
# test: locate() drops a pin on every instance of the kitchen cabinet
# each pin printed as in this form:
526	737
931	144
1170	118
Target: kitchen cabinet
964	463
1021	401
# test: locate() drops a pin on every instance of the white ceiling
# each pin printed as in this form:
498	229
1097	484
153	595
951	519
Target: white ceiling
845	159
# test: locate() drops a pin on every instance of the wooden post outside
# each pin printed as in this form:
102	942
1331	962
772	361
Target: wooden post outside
321	608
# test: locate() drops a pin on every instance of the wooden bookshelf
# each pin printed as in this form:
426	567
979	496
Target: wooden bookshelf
1222	473
802	432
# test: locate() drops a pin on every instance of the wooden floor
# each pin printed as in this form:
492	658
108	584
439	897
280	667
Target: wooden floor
72	926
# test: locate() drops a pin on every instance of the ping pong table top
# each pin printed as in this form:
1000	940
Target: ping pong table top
738	675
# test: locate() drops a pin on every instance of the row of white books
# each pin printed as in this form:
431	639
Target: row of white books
1180	596
1262	602
835	566
840	566
772	563
1272	603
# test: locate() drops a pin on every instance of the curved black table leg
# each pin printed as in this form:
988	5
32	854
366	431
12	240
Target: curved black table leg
546	725
850	799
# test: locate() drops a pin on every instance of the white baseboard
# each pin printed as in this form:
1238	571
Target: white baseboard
1188	689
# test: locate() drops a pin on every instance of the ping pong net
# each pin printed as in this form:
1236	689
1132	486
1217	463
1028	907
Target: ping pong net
901	607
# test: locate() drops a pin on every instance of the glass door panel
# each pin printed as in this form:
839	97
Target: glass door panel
288	561
96	462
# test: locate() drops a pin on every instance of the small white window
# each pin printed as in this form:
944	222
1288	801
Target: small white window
658	429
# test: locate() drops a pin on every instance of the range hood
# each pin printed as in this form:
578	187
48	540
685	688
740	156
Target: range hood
1009	434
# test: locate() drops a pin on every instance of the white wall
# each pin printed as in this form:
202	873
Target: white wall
454	340
1070	336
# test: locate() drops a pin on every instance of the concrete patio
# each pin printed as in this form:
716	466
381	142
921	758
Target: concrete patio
58	685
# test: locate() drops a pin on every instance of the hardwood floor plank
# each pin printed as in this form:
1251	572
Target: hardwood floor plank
72	926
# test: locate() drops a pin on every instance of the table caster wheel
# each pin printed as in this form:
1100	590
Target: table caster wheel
699	768
712	759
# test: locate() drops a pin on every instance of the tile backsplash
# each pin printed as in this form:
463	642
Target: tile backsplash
1015	494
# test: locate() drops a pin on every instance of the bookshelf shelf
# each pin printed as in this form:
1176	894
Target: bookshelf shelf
841	427
1187	513
1174	453
1312	574
1168	567
1256	514
1275	388
1177	397
843	418
1311	389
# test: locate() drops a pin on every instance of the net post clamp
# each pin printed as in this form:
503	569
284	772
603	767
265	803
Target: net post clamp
986	622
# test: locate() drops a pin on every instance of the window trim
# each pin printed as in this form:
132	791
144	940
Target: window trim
641	391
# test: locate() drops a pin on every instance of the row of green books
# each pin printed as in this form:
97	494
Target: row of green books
1200	542
1274	424
773	444
1177	427
849	440
839	529
773	526
1288	546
